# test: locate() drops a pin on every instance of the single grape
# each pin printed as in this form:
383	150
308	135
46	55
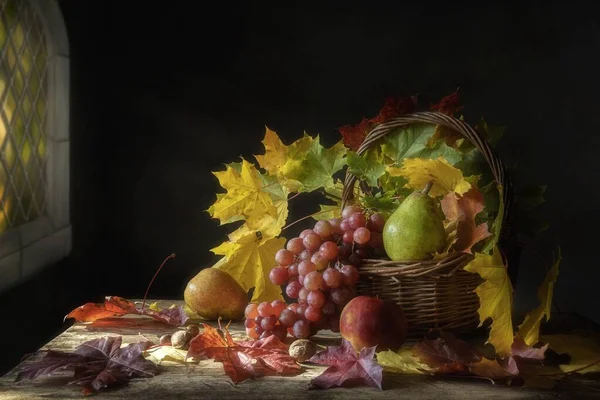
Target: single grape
278	306
349	210
313	280
279	275
323	229
306	267
295	246
305	232
316	298
336	228
362	253
258	330
348	237
329	250
292	307
268	323
328	308
376	240
323	286
332	277
350	275
265	309
249	323
284	257
358	220
376	222
301	279
345	226
313	314
362	235
293	270
300	310
292	289
305	255
287	318
344	250
312	241
266	334
340	296
251	310
252	333
320	261
280	331
258	319
301	329
303	294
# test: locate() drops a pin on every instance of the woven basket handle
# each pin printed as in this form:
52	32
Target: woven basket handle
436	118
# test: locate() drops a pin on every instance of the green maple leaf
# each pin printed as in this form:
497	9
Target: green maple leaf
385	203
496	225
312	166
368	167
412	142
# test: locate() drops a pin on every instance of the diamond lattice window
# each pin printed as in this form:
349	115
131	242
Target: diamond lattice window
23	113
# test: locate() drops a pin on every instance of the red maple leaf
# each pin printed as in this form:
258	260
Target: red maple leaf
446	354
115	306
521	350
449	105
462	211
96	364
245	359
354	135
346	368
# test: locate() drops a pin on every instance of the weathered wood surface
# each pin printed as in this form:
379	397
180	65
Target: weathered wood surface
207	379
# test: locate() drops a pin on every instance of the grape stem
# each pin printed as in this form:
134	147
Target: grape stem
303	218
154	277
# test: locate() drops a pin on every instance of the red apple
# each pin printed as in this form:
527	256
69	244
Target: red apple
369	321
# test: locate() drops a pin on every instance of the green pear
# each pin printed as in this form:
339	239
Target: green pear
415	231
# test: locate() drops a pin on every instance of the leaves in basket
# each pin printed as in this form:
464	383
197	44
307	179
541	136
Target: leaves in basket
496	225
96	364
346	368
328	212
529	330
249	257
368	167
461	212
384	203
449	104
245	196
244	360
114	306
354	135
419	172
496	299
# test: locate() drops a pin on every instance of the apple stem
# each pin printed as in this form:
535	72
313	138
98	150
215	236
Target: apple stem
427	187
154	277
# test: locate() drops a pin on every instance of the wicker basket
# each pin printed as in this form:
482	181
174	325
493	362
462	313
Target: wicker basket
434	294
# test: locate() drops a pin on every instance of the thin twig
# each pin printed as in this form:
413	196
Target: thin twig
303	218
294	196
573	371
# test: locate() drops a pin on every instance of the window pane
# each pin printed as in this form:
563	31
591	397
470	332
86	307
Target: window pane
23	108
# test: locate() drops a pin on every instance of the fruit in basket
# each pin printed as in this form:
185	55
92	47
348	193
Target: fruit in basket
369	321
213	293
415	231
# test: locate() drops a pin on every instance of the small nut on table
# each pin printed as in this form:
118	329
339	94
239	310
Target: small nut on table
193	330
302	349
165	340
180	339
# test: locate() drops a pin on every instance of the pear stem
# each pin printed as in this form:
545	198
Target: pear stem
427	187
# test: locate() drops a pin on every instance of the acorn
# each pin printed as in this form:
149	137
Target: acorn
180	339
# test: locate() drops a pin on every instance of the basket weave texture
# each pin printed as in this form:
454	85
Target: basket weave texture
434	294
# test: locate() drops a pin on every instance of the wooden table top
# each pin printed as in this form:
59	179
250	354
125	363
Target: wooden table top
207	379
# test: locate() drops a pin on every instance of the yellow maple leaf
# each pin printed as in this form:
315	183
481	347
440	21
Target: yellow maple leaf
419	171
249	260
402	361
529	330
165	353
496	299
584	350
275	153
245	195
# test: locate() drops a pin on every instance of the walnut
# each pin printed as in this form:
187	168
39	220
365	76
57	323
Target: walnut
302	349
180	339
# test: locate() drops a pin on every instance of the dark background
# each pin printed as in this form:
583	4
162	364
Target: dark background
161	95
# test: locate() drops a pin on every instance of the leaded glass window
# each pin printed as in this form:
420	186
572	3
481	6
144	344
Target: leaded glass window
23	113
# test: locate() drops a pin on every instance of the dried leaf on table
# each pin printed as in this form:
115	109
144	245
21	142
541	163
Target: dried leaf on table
584	351
96	364
115	306
446	354
243	360
402	361
346	368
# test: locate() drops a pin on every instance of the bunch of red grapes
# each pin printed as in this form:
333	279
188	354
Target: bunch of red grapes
320	270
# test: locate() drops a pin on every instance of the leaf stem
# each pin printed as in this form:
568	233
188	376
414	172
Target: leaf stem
303	218
154	277
294	196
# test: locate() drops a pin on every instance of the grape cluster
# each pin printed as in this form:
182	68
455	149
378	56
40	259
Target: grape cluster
319	269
